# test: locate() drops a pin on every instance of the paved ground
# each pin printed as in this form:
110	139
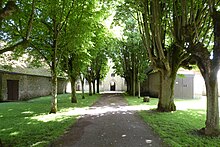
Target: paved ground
111	126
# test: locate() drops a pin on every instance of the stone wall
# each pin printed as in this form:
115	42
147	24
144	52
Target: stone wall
30	86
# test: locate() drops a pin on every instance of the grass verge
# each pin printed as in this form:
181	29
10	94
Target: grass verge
177	128
28	123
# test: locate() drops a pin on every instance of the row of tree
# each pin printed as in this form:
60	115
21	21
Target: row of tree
68	35
175	33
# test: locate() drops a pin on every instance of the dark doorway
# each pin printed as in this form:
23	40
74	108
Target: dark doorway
112	86
12	86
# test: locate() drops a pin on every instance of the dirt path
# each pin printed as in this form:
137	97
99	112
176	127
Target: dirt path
111	126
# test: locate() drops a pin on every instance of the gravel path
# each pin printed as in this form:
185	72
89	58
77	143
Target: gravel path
111	125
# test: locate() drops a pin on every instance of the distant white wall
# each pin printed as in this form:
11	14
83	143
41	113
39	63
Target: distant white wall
104	85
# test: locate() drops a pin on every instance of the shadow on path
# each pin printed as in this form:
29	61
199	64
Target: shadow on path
110	123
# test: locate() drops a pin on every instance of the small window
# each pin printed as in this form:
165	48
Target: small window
113	75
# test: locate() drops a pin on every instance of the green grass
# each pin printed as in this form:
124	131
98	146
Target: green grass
178	128
28	123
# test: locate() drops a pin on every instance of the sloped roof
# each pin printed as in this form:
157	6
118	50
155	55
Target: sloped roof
21	65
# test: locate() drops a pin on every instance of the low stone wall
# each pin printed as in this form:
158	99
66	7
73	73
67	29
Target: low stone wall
30	86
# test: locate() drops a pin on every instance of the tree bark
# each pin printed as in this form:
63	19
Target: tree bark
54	90
139	89
211	82
97	84
73	89
212	113
134	80
93	86
166	100
90	88
83	93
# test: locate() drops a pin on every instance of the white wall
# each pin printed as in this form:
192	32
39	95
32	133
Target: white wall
120	84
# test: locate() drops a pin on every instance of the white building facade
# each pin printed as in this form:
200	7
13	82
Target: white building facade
111	82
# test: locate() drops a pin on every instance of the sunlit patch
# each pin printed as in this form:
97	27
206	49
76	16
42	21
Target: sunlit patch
39	143
14	133
10	109
93	111
1	116
190	104
27	112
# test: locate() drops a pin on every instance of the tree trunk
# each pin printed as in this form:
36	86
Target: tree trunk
82	84
54	90
212	113
93	86
97	84
90	88
166	100
139	89
73	89
134	82
211	82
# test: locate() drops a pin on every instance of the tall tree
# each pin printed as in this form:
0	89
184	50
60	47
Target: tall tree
99	60
165	56
130	57
51	21
79	33
200	21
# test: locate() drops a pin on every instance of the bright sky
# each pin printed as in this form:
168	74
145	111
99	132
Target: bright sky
116	30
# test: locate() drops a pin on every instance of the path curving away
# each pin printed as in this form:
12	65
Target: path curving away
111	125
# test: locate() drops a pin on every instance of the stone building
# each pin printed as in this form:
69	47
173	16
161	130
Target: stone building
21	81
18	86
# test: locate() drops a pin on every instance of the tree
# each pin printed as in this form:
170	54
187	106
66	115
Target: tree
165	56
130	56
199	28
50	25
99	61
80	31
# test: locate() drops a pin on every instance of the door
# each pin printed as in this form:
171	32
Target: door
12	86
112	86
184	87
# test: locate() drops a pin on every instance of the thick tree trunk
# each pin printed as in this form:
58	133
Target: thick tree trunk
54	91
166	100
93	86
212	113
73	89
90	88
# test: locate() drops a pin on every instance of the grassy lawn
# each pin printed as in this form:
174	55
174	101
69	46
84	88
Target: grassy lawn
178	128
28	123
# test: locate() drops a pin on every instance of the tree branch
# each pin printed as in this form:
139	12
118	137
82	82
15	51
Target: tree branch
22	43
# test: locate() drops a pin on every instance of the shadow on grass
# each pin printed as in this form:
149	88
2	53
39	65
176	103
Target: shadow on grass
180	128
28	123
